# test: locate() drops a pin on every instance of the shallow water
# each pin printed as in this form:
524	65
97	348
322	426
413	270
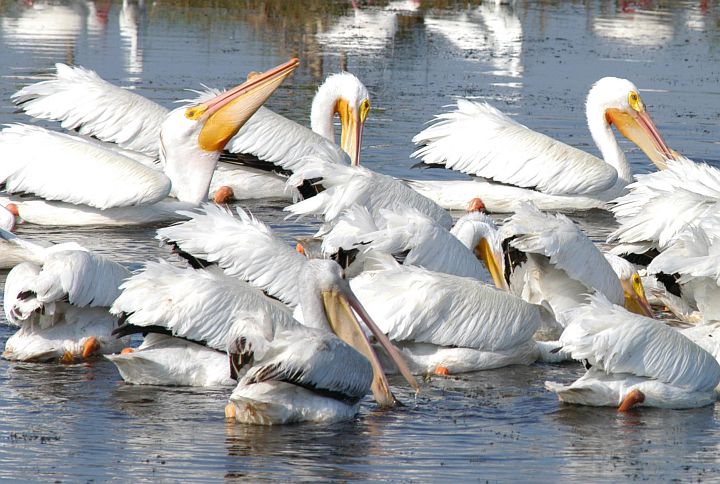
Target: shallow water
535	60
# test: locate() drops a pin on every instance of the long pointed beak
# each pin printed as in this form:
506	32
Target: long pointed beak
493	262
231	109
351	129
338	307
635	300
638	127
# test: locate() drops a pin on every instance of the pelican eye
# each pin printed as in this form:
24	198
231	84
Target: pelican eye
636	279
635	102
364	109
195	112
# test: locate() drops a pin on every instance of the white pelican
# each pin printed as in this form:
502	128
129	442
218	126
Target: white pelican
694	255
634	360
61	307
348	185
244	248
185	344
114	114
446	324
551	262
89	184
462	251
515	164
287	372
661	205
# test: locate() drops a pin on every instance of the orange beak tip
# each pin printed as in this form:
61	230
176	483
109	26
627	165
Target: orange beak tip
90	347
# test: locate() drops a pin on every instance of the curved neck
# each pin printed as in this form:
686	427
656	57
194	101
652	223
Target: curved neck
605	140
190	170
322	114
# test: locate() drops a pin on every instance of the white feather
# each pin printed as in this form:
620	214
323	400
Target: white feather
414	304
480	140
199	305
661	204
566	246
56	166
242	246
83	101
617	341
348	185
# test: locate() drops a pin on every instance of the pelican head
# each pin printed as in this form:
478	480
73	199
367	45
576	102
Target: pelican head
329	302
342	94
478	232
632	286
617	101
192	136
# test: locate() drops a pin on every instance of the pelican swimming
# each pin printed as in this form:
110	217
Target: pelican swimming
694	256
490	328
184	344
461	251
83	182
286	371
513	163
660	205
348	185
117	115
445	324
551	262
61	306
634	361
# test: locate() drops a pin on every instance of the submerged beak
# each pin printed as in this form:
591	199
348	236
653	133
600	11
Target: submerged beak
635	300
493	262
352	122
338	307
638	127
227	112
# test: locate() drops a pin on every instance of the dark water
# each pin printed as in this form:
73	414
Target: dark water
535	60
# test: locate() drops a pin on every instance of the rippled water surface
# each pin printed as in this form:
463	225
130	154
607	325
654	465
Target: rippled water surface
535	60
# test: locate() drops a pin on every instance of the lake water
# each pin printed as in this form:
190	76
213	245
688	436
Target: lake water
535	60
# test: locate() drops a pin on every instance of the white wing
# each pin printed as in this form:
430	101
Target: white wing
414	304
659	205
348	185
567	247
83	101
38	293
477	139
83	277
279	140
57	166
199	305
243	247
430	245
691	254
617	341
349	230
696	257
17	307
316	360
